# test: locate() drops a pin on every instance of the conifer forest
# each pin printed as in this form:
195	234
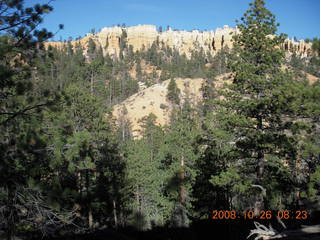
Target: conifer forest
243	161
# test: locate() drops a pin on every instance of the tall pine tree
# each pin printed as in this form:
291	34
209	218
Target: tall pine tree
256	111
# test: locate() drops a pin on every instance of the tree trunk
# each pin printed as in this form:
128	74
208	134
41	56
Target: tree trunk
79	184
123	130
11	214
260	166
115	214
138	200
259	201
90	218
52	78
80	192
110	93
91	83
88	200
182	188
260	160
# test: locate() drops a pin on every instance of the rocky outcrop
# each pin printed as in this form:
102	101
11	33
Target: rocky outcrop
143	36
299	47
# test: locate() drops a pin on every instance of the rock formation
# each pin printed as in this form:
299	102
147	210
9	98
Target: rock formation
143	36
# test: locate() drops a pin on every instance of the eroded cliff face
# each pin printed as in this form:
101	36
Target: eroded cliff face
143	36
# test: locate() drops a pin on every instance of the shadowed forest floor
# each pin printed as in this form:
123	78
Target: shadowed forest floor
204	229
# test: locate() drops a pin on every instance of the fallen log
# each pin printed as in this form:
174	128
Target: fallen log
261	232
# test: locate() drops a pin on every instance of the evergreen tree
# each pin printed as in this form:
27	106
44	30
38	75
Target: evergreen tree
257	113
20	115
179	157
84	150
173	92
316	46
145	178
95	66
215	154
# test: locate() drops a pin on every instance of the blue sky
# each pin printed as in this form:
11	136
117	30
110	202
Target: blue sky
298	18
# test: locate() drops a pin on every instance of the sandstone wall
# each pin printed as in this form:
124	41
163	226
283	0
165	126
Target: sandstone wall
141	35
184	41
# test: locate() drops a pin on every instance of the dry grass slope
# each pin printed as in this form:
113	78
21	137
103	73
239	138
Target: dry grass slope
154	100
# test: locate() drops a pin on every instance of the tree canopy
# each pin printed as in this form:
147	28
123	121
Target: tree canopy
68	167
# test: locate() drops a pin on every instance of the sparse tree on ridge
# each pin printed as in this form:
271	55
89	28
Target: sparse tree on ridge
173	92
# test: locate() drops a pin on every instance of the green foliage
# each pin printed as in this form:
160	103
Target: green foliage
301	64
145	177
258	116
316	46
231	180
84	149
58	146
21	140
159	193
173	92
179	158
314	184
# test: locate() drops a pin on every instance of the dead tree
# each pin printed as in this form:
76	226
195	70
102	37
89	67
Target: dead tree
30	208
261	232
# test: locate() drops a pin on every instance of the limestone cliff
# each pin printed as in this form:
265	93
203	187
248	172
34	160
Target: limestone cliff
143	36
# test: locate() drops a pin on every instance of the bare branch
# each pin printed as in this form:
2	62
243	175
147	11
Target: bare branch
264	233
282	223
32	209
23	111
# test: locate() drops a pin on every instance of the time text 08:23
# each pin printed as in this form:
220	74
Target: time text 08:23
250	214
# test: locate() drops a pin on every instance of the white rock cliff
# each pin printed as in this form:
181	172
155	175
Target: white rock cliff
143	36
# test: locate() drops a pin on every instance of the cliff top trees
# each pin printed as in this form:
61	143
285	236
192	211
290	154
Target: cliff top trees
316	46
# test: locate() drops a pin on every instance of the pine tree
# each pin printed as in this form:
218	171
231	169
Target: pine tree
173	92
316	46
257	113
179	158
20	110
145	177
84	150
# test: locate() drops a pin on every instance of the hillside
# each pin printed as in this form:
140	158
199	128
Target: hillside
153	100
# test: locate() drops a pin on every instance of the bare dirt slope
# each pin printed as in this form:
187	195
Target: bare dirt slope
311	78
154	100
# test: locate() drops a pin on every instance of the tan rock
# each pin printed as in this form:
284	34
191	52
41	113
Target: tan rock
183	41
141	35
